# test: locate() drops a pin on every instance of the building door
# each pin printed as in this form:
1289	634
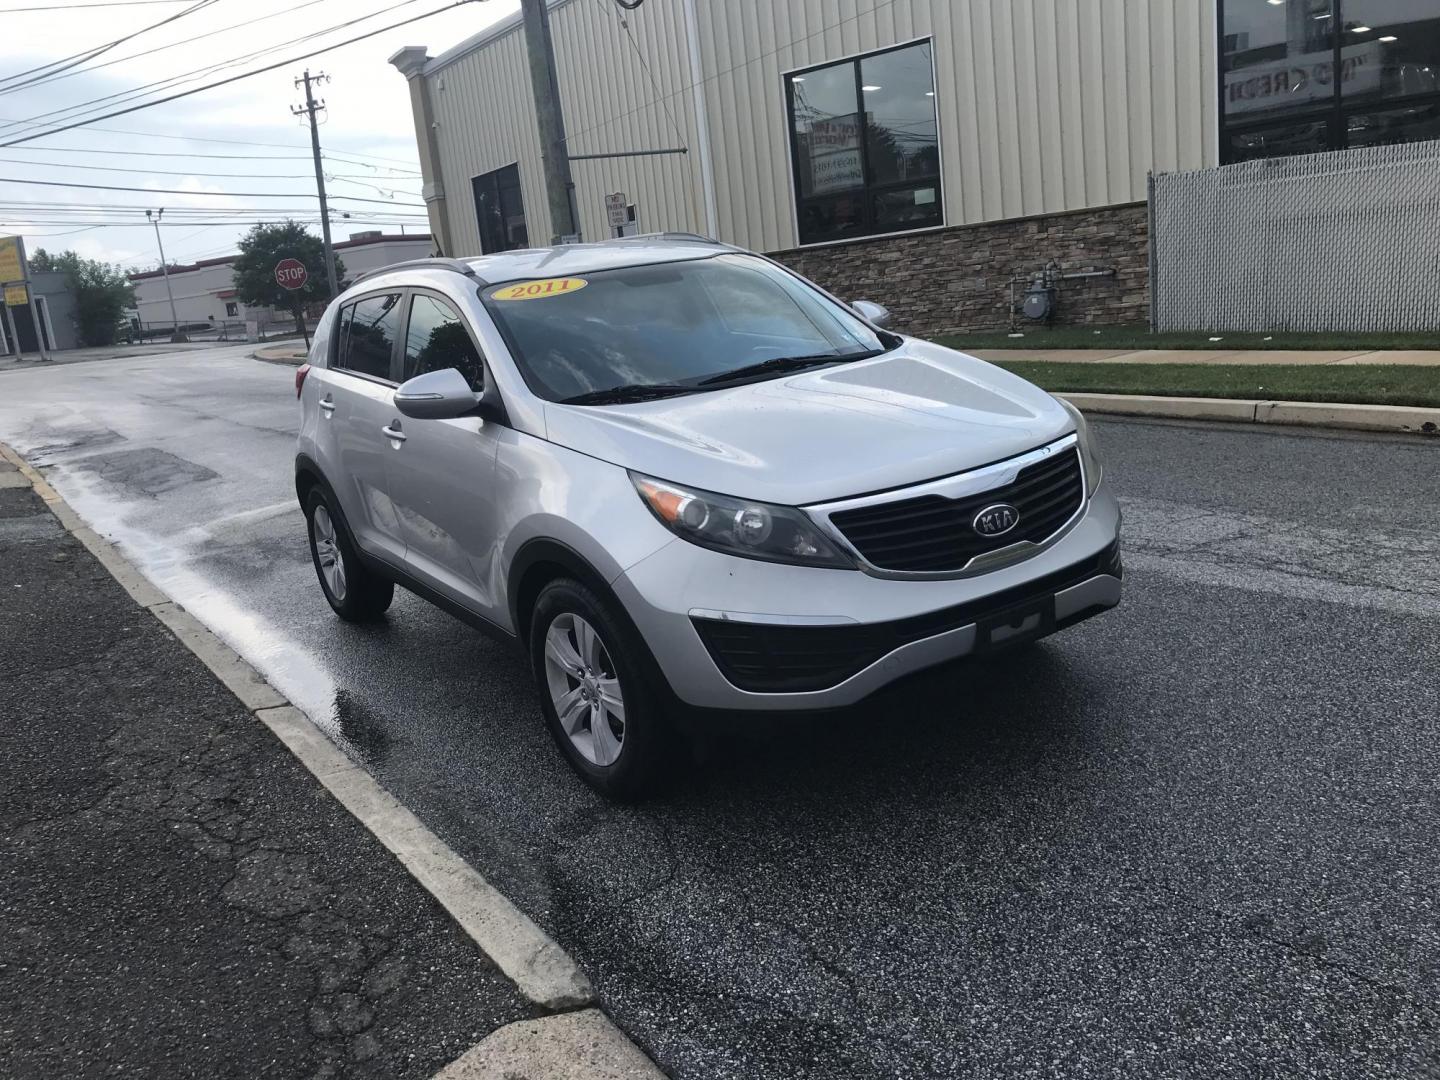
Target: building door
499	210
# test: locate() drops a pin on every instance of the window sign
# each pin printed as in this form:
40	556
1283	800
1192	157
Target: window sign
865	145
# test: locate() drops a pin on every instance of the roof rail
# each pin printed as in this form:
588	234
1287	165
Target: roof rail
436	263
687	237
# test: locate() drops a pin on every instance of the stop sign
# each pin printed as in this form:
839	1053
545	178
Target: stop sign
291	274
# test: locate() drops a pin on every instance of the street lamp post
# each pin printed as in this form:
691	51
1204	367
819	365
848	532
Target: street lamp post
177	335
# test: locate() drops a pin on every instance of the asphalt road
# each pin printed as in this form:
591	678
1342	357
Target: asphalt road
1195	837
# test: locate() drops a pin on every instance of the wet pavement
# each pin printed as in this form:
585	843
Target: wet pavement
1194	837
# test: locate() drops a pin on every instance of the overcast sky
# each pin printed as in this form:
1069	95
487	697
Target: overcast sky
367	120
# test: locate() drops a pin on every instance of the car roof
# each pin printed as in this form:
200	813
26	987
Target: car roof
567	259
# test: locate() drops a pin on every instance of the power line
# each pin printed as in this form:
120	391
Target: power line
349	177
71	232
92	105
28	222
235	78
184	191
102	3
654	84
164	172
76	59
406	173
183	41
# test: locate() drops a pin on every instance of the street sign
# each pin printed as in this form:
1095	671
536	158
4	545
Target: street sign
12	265
16	296
615	212
291	274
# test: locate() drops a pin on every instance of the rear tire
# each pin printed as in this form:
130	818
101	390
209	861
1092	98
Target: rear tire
355	593
595	678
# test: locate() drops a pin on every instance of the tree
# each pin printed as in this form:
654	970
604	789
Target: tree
102	292
262	248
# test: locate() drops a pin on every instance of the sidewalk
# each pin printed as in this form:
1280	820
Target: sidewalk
285	353
181	898
1408	358
118	351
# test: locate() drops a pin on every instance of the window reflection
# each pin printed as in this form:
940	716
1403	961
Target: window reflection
866	145
1300	76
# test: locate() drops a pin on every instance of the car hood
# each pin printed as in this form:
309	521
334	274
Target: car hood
916	413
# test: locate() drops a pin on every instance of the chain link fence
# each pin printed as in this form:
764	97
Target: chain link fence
1348	241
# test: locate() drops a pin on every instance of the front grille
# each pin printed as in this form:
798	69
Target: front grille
933	534
775	658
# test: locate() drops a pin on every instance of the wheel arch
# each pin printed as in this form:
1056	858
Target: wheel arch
539	562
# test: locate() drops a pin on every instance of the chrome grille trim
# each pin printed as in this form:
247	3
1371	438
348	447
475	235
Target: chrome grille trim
971	483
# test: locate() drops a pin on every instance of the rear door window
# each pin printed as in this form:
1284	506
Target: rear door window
367	336
437	339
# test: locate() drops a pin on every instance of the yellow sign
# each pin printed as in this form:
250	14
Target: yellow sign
536	290
10	263
15	296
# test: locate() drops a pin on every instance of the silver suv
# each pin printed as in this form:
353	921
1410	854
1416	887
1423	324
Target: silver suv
687	480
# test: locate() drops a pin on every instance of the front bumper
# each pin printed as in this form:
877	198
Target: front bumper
734	633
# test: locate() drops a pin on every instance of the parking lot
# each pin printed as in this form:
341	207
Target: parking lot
1194	837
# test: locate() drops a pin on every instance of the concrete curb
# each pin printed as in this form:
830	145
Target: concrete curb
284	361
1404	419
574	1046
542	971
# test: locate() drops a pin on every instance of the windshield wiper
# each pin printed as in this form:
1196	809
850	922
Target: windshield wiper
619	395
785	363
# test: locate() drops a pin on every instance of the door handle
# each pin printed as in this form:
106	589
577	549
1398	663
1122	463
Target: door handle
327	404
393	432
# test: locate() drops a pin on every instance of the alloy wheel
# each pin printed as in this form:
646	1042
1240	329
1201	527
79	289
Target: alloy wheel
327	553
585	689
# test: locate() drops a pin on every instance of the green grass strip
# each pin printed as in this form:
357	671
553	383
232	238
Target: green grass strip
1139	337
1360	384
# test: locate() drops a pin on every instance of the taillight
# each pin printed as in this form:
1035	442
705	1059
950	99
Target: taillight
300	373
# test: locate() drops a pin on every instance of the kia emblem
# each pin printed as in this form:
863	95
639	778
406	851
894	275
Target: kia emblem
996	520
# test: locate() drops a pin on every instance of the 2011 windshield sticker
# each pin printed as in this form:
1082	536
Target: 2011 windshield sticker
536	290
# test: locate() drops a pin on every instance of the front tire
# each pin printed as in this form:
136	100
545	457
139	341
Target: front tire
355	593
594	676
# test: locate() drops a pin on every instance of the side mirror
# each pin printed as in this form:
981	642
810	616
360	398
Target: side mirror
878	314
437	395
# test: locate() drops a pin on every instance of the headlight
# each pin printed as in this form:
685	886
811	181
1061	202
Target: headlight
753	530
1089	451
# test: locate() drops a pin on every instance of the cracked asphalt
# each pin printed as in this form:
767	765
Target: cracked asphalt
180	897
1192	838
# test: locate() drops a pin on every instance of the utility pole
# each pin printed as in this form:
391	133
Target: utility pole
177	334
310	108
559	188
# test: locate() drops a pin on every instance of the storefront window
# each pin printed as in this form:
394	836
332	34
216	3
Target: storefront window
1300	76
866	147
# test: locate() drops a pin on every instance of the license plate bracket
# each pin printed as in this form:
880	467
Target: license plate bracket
1016	625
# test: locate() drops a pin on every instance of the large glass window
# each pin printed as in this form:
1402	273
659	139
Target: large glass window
1298	76
866	146
499	210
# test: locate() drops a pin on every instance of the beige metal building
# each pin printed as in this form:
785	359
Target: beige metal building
935	155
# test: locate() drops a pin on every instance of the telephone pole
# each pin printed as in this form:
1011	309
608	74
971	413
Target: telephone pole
310	108
559	188
176	333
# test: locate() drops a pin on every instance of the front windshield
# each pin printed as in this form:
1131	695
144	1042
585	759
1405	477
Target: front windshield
676	325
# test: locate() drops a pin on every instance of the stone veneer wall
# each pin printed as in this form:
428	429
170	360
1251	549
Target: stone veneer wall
957	279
